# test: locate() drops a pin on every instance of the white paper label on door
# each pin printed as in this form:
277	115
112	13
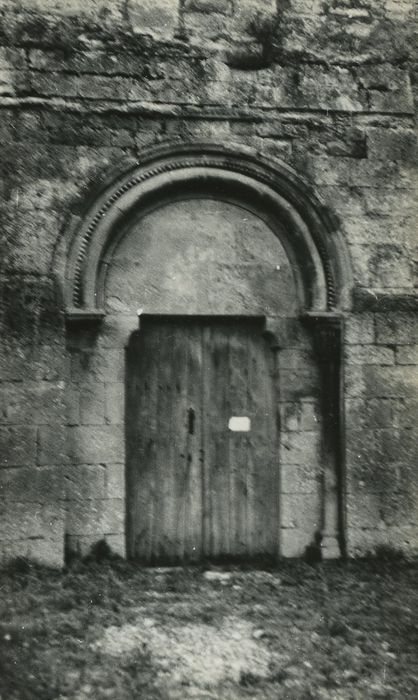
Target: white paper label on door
240	424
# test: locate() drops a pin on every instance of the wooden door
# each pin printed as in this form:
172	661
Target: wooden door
200	485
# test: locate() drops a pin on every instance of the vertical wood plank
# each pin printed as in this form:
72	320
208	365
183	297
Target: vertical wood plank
195	488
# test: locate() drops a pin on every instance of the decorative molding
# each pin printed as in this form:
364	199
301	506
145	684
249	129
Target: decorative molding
205	162
118	196
83	317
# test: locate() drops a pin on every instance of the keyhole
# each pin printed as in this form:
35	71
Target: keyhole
191	415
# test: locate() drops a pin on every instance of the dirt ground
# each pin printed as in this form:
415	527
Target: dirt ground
112	630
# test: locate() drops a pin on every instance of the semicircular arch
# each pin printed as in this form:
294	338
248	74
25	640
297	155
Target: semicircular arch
267	187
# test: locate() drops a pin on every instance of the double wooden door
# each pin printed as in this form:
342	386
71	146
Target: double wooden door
202	455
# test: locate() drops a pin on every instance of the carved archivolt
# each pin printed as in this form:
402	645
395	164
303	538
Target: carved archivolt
267	186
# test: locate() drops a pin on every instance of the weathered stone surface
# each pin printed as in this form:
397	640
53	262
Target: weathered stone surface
115	480
17	446
40	485
95	517
92	404
359	330
223	6
45	550
115	403
400	329
31	403
370	413
393	382
389	88
95	444
370	355
85	87
385	144
300	415
299	447
156	17
407	355
51	445
107	364
36	520
298	479
300	511
85	481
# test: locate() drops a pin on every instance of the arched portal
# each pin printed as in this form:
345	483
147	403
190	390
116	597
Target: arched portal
229	245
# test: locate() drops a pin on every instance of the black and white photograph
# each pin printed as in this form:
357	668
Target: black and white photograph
208	350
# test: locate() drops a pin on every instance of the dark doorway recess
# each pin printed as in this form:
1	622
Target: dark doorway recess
202	444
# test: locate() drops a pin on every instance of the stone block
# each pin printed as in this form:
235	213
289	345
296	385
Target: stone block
373	413
115	403
396	329
32	520
96	444
92	404
407	355
17	446
72	400
363	510
84	517
405	412
223	7
328	170
332	88
102	365
310	418
369	355
115	480
359	330
114	516
299	479
388	144
53	84
51	445
300	511
389	262
36	485
85	482
100	87
293	542
365	541
354	384
300	448
380	459
391	382
394	229
293	358
31	403
155	17
20	362
95	517
297	384
46	551
299	415
389	88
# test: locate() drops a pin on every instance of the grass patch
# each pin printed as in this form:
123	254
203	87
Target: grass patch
346	630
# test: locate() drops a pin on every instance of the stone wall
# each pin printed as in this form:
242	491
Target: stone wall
327	86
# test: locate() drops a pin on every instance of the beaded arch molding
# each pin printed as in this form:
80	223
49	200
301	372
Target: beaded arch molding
169	159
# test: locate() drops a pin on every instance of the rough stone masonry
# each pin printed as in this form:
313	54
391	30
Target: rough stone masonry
324	91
